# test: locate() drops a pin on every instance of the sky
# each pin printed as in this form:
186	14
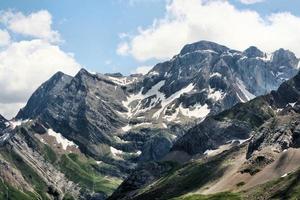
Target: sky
40	37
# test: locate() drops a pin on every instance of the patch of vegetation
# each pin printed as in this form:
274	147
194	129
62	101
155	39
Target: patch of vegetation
187	178
287	188
80	170
219	196
9	192
28	173
68	197
49	154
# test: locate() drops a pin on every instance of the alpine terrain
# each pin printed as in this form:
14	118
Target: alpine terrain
210	123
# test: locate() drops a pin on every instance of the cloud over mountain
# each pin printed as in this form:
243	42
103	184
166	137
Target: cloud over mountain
188	21
27	62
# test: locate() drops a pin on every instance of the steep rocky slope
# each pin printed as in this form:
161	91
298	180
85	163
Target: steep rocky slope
111	116
80	136
241	148
3	123
238	122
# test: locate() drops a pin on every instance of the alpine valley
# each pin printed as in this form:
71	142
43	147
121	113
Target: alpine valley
211	123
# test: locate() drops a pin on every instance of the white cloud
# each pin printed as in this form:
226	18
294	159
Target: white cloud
8	110
251	1
122	49
142	70
135	2
36	24
4	38
218	21
25	65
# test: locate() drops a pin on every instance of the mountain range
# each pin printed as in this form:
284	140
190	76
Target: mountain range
211	119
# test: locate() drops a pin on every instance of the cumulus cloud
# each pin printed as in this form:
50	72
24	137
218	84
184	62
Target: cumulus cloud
37	24
8	110
123	49
4	38
218	21
25	64
251	1
142	70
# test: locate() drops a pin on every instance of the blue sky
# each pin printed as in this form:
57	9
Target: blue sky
41	37
91	30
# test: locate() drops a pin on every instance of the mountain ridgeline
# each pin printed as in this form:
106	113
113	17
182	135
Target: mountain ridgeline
92	131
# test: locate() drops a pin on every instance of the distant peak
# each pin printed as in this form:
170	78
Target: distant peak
117	75
203	45
59	74
84	73
253	52
284	53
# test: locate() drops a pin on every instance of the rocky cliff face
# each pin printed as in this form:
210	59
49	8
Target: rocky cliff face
3	123
105	113
245	146
107	124
238	122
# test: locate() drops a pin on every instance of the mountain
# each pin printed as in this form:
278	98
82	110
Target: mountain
82	136
251	150
111	113
3	123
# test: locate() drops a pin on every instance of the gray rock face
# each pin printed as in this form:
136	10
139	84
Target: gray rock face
217	76
281	131
3	123
144	174
212	133
105	115
78	108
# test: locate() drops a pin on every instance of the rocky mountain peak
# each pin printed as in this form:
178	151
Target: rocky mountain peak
285	58
253	52
203	45
42	96
117	75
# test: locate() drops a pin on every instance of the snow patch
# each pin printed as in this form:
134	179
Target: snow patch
216	95
266	58
215	74
7	124
14	124
154	91
197	111
293	104
129	127
241	141
164	125
166	101
116	153
126	128
243	89
122	80
153	73
61	139
199	51
209	152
